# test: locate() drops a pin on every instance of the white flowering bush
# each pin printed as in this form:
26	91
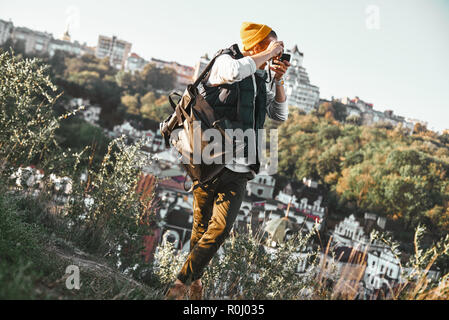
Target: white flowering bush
106	211
246	269
27	120
167	262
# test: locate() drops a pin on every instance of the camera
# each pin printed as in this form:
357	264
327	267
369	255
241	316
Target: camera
283	57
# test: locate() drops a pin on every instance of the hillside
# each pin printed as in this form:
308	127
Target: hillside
379	169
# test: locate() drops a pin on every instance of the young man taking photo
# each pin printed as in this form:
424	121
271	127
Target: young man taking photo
236	88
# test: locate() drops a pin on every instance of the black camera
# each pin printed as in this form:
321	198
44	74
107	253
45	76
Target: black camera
283	57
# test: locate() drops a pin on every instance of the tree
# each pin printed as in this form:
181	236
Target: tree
158	111
88	80
158	78
148	99
27	120
354	119
131	104
125	80
439	216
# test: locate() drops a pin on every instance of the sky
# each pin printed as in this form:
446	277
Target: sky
392	53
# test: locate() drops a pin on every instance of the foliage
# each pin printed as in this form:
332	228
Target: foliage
416	283
75	134
27	119
105	213
158	78
245	269
19	247
386	171
167	263
106	208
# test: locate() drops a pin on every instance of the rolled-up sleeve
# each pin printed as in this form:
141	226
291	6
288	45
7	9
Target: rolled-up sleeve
227	70
276	110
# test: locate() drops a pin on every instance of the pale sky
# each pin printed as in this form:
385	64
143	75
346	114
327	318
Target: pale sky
399	61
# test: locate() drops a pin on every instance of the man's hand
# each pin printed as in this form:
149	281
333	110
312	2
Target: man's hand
275	48
280	68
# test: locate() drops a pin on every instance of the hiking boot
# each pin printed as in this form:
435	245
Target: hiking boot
176	292
196	291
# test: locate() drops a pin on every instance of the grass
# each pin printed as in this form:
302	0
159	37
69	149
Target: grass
34	256
36	247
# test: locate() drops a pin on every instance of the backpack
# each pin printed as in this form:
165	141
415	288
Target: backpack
178	130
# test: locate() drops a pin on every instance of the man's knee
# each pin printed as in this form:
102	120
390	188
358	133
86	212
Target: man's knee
218	232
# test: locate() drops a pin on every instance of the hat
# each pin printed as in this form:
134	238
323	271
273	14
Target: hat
253	33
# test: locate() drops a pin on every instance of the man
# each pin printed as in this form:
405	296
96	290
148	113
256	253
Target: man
236	88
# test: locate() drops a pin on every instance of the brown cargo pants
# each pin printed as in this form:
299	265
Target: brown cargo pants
215	208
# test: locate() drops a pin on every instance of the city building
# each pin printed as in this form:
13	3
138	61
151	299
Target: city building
300	92
369	116
383	268
314	211
355	232
92	114
184	74
6	30
262	185
115	49
35	42
65	46
200	66
135	63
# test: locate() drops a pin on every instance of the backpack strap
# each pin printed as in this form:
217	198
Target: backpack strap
206	70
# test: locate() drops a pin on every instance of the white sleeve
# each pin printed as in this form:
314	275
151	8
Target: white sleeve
227	70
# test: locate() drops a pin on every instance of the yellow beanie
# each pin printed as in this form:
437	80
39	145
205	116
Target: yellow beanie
253	33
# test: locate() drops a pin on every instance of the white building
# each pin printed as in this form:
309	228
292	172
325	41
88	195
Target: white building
135	63
65	46
28	177
200	66
262	186
310	183
286	198
313	210
127	129
369	116
300	93
92	114
35	42
350	232
383	268
6	30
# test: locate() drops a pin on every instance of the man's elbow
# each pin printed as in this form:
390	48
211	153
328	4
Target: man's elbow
283	117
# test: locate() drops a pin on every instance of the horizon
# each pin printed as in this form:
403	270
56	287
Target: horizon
367	49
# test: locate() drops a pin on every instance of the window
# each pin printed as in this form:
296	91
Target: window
259	191
381	268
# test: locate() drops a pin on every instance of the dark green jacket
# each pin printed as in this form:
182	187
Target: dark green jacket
235	103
